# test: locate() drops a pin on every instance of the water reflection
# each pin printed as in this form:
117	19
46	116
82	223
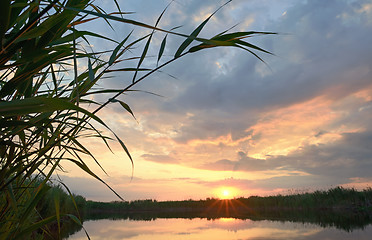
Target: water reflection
339	219
223	228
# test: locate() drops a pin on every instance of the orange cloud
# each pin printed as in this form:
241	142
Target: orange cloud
284	130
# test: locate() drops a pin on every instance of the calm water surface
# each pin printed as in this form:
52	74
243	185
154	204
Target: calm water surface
224	228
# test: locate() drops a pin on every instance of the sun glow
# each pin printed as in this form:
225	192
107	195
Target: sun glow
226	193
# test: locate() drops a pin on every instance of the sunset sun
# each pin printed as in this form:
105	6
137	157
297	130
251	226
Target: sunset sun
226	193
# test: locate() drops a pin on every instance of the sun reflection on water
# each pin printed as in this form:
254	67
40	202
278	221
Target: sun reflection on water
227	220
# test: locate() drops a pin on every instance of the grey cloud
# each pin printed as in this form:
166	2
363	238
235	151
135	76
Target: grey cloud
244	163
322	56
159	158
348	158
252	164
337	162
300	183
214	123
220	165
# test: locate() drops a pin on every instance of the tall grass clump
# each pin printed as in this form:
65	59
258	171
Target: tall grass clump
48	78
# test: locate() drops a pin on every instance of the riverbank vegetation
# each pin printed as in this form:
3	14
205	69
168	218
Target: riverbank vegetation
335	199
54	204
346	209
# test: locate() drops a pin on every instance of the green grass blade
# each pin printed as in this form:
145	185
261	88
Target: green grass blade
101	11
252	46
238	35
77	221
129	70
143	55
113	56
13	201
118	7
86	169
39	105
85	150
195	33
57	208
73	201
27	26
125	106
162	48
106	16
126	150
30	207
191	38
4	18
38	225
78	34
253	53
90	70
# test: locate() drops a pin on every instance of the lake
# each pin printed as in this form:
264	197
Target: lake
222	228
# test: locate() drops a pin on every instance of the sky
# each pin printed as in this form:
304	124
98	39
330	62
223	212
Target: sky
299	122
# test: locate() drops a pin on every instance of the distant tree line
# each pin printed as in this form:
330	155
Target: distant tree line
346	209
333	199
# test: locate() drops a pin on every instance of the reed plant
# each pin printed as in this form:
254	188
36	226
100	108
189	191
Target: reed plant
49	77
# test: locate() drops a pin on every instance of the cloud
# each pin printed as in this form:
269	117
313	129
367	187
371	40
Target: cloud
316	59
279	184
89	188
308	112
324	55
159	158
348	158
244	163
